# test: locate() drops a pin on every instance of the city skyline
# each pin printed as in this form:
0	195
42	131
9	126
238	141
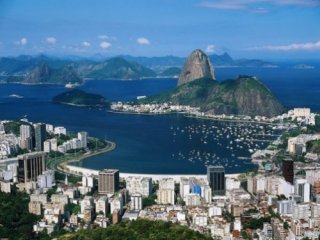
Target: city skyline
266	29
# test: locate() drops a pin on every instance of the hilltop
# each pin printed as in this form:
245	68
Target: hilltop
81	98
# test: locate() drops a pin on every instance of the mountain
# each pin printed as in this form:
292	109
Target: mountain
81	98
243	96
119	68
222	60
197	66
158	64
46	74
196	87
171	72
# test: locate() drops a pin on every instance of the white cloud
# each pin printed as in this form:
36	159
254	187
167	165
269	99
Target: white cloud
310	46
51	40
85	44
251	5
23	41
211	48
103	37
105	45
143	41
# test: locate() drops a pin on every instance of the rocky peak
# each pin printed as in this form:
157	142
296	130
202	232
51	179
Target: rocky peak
197	66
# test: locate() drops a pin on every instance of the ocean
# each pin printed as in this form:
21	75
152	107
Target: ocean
163	144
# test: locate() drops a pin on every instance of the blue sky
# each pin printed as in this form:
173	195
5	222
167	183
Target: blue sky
269	29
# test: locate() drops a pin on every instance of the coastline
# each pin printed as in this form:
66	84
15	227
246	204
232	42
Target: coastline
61	165
79	171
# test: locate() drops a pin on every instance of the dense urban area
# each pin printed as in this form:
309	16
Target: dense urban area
43	197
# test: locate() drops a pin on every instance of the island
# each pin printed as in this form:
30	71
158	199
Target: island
79	98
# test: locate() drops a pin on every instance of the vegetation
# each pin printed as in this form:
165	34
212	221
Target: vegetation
138	230
316	127
119	68
149	201
14	126
244	96
313	146
45	74
255	223
81	98
15	220
171	72
227	216
73	208
94	144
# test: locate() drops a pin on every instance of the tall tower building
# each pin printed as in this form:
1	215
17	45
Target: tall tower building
108	181
26	137
25	131
30	166
216	179
82	136
40	135
287	170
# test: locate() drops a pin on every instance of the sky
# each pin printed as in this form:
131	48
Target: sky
268	29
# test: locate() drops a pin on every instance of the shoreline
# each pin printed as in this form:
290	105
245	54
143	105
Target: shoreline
80	171
184	114
61	165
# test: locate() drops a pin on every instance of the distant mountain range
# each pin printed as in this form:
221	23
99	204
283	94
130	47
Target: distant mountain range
48	69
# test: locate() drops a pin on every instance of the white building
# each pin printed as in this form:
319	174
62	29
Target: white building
49	128
82	136
215	211
60	130
166	183
60	199
86	202
43	198
5	186
102	206
47	146
285	206
116	204
302	188
54	144
142	185
315	210
301	211
200	220
87	181
165	196
192	199
136	201
46	179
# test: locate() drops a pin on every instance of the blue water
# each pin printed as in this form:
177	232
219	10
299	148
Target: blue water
161	144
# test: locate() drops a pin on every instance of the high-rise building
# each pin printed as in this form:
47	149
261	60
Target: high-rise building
136	201
302	188
287	170
40	135
82	136
25	131
108	181
216	179
30	166
26	137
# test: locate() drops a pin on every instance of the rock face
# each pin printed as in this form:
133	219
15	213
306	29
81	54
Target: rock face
197	66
